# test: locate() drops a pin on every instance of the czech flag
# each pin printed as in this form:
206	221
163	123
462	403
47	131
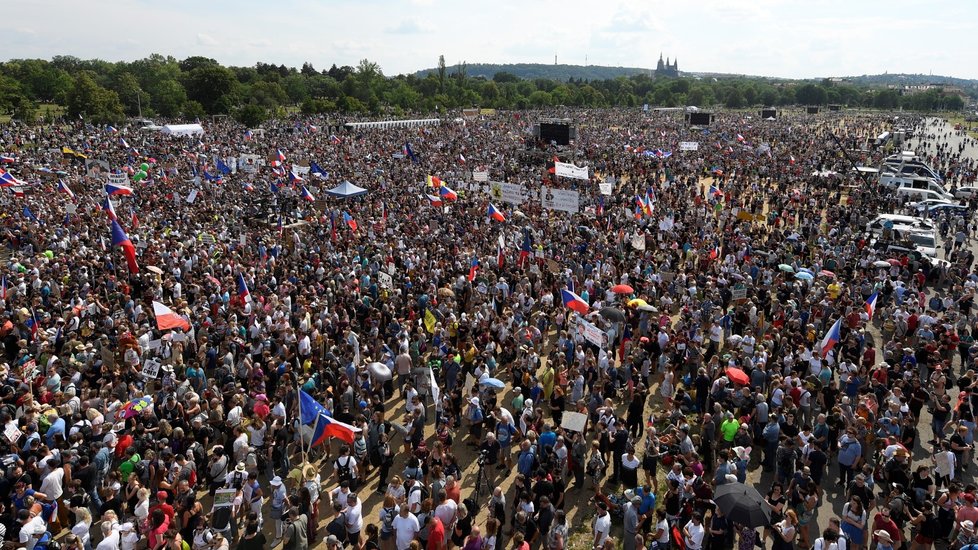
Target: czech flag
434	181
65	189
495	214
7	159
871	304
599	209
119	238
501	256
311	412
109	209
248	186
117	189
8	180
832	338
307	195
124	143
167	319
526	249
574	302
435	201
280	155
111	129
243	292
248	135
294	178
740	138
3	287
348	220
791	160
447	193
473	269
461	158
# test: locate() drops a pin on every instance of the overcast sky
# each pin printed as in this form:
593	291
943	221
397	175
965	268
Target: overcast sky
791	39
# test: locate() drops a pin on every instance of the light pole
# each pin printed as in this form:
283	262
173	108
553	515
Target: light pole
139	103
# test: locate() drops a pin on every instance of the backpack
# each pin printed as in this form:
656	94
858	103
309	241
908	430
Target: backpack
387	520
141	471
344	471
418	486
236	479
929	527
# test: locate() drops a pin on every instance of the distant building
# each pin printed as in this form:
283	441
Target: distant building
664	69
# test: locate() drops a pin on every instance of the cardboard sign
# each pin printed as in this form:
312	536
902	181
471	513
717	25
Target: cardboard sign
151	368
192	197
29	370
224	498
12	433
119	179
385	280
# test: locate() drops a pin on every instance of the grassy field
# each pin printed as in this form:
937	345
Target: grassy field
45	110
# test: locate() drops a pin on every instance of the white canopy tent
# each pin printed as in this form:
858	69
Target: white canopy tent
183	130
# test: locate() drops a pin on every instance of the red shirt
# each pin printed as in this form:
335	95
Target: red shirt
436	536
166	508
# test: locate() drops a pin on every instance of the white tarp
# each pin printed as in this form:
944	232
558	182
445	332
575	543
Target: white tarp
564	200
183	130
689	146
511	193
568	170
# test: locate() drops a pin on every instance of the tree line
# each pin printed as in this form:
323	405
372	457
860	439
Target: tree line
161	86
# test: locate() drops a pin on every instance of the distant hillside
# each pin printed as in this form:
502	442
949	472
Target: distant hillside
531	71
912	80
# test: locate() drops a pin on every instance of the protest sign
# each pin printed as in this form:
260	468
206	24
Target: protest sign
385	280
689	146
564	200
151	368
568	170
591	333
606	188
224	498
510	193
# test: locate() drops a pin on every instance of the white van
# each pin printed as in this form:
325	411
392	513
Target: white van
916	194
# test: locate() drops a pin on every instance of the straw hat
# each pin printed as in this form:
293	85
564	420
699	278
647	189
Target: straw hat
309	472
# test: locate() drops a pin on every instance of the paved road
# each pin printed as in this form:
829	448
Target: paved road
834	497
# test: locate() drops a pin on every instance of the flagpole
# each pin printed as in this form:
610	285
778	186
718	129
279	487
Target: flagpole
298	395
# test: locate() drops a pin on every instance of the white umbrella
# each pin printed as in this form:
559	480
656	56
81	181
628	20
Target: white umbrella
380	371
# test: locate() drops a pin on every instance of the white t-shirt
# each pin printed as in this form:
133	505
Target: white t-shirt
602	526
354	518
405	529
32	531
695	539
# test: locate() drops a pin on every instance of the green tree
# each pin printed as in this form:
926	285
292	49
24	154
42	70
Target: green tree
24	110
206	84
268	94
251	116
93	102
503	77
168	98
810	94
296	86
193	110
540	98
735	99
441	74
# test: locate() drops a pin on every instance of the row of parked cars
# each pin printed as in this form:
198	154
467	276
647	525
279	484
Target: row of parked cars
908	176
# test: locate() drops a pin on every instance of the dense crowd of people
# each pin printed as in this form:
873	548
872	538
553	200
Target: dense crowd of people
163	347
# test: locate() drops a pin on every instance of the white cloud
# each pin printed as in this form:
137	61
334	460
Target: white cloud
762	37
206	40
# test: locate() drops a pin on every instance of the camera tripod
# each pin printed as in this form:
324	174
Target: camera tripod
481	480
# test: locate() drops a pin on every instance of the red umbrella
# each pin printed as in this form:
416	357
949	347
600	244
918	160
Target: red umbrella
893	262
622	289
827	273
737	376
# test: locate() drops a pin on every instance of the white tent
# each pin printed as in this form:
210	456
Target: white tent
183	129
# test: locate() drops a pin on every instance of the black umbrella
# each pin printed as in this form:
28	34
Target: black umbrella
613	314
743	504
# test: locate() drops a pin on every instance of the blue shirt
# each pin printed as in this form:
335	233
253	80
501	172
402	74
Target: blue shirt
771	432
547	439
525	463
648	500
57	428
849	450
